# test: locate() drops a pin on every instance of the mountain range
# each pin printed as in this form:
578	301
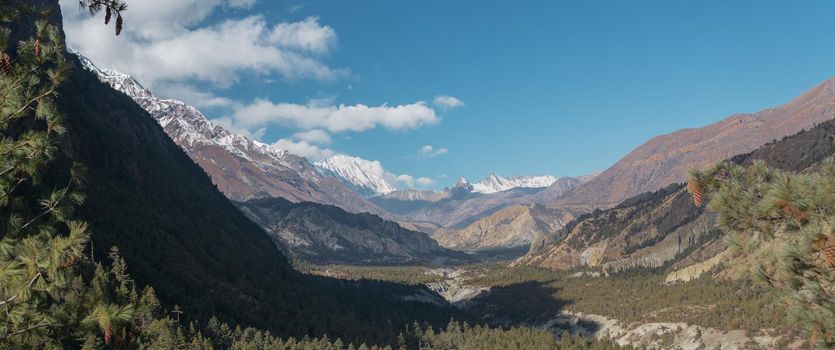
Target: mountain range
245	169
666	159
665	226
369	179
327	234
658	163
468	216
495	183
241	168
460	205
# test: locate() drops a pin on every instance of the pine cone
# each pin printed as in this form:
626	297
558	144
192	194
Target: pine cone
826	246
5	62
69	262
107	14
696	192
108	334
829	255
37	47
118	24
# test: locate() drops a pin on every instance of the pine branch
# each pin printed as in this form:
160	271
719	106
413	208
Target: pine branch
49	209
41	324
28	286
33	100
6	171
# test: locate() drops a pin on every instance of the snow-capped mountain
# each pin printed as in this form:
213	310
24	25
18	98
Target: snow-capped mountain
495	183
366	177
461	187
241	168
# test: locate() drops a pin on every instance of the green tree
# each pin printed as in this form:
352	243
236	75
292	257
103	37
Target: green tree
44	300
782	226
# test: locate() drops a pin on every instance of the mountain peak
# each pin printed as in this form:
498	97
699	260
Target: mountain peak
462	186
118	80
366	177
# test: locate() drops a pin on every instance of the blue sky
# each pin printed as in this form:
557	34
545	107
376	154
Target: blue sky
548	87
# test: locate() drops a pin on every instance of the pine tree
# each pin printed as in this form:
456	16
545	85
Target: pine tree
44	301
781	225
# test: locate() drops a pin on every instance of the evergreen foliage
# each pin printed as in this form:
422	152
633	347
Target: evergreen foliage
781	225
164	334
44	300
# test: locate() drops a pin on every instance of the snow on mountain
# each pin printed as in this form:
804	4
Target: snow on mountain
189	128
495	183
366	177
241	168
461	187
412	195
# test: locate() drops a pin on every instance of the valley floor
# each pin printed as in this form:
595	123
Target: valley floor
638	309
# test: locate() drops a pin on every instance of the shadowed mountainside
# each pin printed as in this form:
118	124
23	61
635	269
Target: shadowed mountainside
327	235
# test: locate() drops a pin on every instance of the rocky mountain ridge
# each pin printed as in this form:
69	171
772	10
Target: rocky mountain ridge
666	159
329	235
495	183
508	228
240	167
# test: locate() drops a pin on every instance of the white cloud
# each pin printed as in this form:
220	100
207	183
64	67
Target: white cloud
316	136
447	102
306	35
170	42
428	151
410	181
304	149
334	118
155	19
199	99
308	144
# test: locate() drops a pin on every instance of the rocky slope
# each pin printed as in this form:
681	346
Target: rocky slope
664	335
507	228
666	159
652	229
241	168
327	234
